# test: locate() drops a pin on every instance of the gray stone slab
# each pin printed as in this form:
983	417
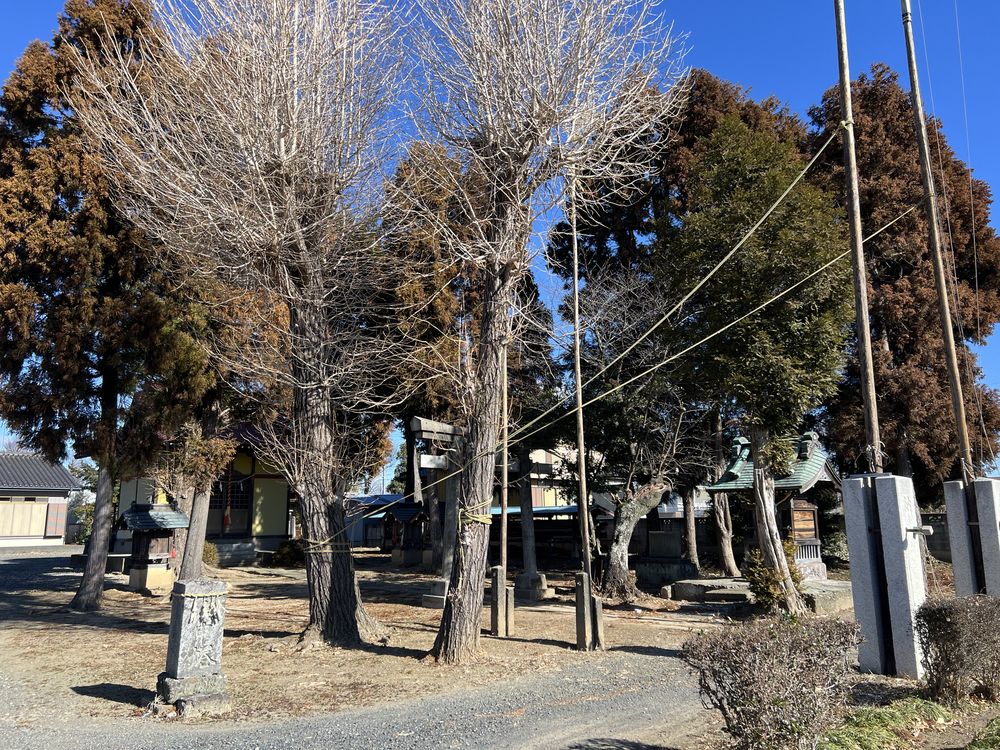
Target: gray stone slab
533	587
906	581
988	504
960	539
204	705
859	520
194	646
171	690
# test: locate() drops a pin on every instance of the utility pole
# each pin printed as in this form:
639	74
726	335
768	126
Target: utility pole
583	506
504	415
874	448
930	198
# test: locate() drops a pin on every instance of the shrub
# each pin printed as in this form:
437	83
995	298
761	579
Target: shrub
210	555
290	554
987	738
961	647
778	683
764	582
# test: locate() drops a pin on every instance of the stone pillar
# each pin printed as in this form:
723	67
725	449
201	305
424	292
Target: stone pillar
988	505
597	613
501	604
584	613
960	539
861	521
887	570
449	532
193	680
905	578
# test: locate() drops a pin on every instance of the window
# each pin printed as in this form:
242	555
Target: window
230	503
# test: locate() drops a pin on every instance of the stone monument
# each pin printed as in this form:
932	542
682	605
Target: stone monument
974	535
887	571
193	681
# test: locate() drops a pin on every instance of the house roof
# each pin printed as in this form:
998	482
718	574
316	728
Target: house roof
810	465
22	471
150	517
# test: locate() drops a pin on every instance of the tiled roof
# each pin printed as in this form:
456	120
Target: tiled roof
28	472
810	465
148	517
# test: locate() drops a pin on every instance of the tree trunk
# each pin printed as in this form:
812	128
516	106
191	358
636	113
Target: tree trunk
691	529
194	549
336	614
720	507
529	554
88	596
724	529
458	637
768	534
617	582
183	494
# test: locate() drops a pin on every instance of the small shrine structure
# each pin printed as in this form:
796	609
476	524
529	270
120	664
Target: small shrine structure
798	515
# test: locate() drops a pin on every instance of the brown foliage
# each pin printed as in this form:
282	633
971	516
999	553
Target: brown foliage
917	431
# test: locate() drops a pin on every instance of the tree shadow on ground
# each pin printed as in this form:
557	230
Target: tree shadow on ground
116	693
648	651
606	743
541	641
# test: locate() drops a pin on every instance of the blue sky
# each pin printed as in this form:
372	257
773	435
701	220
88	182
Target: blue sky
786	48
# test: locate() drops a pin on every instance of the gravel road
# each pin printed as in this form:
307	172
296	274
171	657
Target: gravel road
636	699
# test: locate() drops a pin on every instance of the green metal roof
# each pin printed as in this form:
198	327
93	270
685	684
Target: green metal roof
149	517
810	465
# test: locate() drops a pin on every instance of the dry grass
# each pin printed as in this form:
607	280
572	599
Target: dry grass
106	663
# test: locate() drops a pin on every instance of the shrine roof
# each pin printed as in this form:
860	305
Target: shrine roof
810	466
152	517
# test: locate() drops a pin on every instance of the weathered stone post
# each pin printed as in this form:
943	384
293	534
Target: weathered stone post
887	570
584	618
501	604
193	680
975	542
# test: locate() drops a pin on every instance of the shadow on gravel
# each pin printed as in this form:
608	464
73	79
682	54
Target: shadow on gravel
612	744
648	651
111	691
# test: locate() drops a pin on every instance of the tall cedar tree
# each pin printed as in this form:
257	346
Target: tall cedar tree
84	326
620	239
918	432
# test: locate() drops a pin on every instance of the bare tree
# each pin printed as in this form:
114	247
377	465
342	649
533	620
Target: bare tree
250	144
523	94
653	438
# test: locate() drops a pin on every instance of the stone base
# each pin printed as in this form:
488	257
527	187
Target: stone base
157	580
532	588
407	557
439	592
172	689
814	570
658	572
207	704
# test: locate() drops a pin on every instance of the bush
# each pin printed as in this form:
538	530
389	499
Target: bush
778	683
961	647
988	738
290	554
765	585
210	555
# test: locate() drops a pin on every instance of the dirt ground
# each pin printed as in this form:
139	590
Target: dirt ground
105	664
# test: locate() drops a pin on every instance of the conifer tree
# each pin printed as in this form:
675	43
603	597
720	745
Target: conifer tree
918	432
87	324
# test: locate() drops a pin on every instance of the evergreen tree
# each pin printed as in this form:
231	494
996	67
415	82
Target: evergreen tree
86	327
